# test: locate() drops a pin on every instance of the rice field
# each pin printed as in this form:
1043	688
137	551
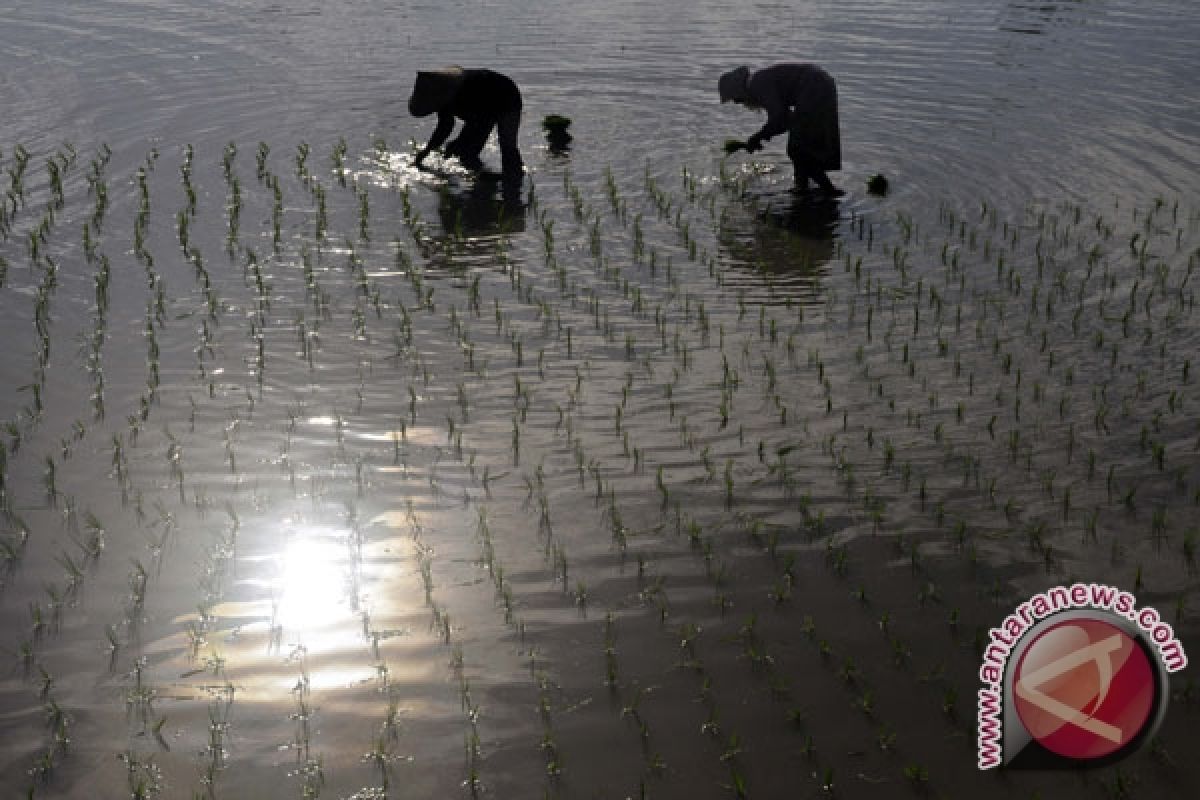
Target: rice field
325	477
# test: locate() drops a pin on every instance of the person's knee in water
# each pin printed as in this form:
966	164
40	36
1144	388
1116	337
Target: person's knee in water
801	100
483	100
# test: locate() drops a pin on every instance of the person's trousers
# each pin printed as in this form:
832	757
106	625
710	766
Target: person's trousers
470	141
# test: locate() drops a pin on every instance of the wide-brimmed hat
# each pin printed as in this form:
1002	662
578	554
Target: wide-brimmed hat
732	85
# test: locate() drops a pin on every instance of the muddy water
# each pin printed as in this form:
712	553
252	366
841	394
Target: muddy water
330	477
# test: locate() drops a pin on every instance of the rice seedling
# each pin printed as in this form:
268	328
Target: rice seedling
339	160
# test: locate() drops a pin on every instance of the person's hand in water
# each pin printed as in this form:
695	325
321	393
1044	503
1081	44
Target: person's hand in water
751	145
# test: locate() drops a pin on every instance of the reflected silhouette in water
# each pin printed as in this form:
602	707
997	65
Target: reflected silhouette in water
783	240
481	211
474	217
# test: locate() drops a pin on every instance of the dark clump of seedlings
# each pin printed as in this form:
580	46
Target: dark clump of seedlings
555	123
557	135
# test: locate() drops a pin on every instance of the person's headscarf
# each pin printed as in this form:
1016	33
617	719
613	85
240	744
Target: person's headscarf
433	90
732	85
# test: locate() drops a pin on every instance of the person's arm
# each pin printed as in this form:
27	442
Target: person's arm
442	132
777	123
767	96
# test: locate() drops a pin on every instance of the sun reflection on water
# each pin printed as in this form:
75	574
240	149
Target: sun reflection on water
311	590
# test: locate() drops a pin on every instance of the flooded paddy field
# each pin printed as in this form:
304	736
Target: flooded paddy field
324	476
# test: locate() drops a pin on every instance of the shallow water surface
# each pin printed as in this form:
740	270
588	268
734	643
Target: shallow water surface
328	476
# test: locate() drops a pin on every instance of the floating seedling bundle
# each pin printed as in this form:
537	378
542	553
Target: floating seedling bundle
557	134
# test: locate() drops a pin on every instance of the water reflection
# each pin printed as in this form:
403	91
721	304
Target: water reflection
784	240
311	593
484	208
475	218
1022	16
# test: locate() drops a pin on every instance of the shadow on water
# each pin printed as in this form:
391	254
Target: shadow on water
782	241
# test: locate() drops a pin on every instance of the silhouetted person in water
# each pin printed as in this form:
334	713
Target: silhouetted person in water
483	100
800	99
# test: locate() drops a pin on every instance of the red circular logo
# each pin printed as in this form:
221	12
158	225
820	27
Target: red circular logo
1084	688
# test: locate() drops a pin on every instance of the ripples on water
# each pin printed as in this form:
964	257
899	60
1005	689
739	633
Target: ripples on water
460	506
1010	99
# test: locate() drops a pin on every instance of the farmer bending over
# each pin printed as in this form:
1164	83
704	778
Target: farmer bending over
800	99
483	100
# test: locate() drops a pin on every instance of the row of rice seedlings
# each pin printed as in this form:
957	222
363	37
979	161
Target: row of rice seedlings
548	743
234	206
42	262
215	569
654	766
14	195
270	179
309	766
44	622
93	362
383	747
57	741
441	624
142	219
